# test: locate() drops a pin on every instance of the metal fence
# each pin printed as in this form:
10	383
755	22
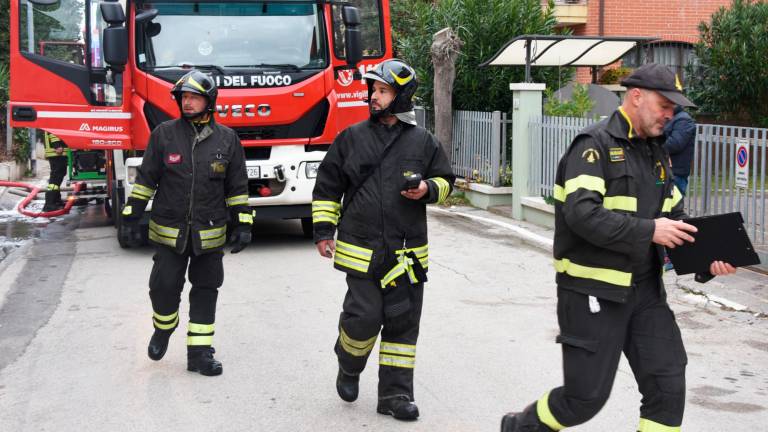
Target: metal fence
713	187
481	145
548	138
712	184
478	146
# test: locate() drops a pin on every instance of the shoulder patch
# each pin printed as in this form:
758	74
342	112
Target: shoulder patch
590	155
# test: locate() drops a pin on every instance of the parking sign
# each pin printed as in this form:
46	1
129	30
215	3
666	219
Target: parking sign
742	163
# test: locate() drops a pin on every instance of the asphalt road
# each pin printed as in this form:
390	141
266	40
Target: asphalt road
75	319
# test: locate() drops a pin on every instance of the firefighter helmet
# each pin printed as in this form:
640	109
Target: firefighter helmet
198	82
402	78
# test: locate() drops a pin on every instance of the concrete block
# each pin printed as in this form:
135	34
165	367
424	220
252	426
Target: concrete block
536	211
10	171
484	196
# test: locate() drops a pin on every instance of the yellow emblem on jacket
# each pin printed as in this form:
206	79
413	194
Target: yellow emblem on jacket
218	167
590	155
662	173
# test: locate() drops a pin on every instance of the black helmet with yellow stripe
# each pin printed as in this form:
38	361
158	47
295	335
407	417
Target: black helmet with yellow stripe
196	82
401	77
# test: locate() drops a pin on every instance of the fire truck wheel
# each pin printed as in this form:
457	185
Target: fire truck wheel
108	208
122	236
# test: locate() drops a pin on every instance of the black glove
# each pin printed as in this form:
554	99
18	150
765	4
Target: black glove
133	209
132	233
131	215
240	237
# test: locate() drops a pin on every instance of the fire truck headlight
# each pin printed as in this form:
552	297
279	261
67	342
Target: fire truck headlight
311	169
132	174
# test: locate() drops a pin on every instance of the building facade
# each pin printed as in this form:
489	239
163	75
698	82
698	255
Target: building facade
674	22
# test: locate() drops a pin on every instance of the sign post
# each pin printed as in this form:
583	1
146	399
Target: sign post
742	163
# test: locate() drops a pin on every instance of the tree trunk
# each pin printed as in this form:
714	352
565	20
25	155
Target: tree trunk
446	46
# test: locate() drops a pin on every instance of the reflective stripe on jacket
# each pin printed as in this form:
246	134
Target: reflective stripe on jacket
50	143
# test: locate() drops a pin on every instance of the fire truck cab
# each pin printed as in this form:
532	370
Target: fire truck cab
288	71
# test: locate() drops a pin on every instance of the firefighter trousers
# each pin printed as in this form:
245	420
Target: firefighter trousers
166	282
644	329
58	171
359	325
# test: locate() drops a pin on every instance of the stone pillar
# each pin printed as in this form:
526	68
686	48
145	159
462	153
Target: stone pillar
526	104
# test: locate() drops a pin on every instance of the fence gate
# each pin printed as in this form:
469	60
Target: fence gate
722	181
549	137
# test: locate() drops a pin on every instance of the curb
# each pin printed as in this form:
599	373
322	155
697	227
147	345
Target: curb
521	233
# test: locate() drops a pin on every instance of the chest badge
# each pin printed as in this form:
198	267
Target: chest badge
662	173
616	154
590	155
218	167
174	158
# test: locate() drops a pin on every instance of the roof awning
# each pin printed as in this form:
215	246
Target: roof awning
557	50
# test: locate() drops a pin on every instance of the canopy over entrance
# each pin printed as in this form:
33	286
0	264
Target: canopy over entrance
558	50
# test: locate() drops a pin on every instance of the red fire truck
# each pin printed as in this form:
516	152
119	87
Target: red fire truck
289	74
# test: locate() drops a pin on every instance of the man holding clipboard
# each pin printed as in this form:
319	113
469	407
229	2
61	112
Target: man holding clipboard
616	210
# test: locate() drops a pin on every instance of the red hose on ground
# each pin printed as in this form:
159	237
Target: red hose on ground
33	191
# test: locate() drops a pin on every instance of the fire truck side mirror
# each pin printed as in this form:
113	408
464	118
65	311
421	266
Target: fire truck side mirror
115	37
145	15
352	41
116	47
113	14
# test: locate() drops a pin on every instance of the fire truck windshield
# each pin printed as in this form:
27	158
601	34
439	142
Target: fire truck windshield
226	34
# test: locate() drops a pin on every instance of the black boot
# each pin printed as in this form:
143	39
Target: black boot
52	201
158	344
347	386
200	359
509	423
399	407
526	421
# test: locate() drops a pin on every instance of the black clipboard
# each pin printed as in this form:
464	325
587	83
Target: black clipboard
720	238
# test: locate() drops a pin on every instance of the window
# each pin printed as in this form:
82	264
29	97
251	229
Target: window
54	31
241	35
676	55
102	93
370	28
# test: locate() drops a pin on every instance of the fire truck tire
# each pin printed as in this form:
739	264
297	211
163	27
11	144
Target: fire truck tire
108	209
306	227
122	238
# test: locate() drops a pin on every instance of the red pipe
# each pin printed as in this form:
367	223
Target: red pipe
33	191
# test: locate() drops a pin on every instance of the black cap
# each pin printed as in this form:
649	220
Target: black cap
660	78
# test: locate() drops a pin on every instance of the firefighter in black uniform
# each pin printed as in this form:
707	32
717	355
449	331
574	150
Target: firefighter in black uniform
616	209
56	152
386	169
195	169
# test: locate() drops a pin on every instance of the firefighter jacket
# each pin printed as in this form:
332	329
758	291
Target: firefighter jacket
609	187
365	168
51	142
196	175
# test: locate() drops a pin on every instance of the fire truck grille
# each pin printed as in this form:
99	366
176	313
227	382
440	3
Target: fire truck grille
309	125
